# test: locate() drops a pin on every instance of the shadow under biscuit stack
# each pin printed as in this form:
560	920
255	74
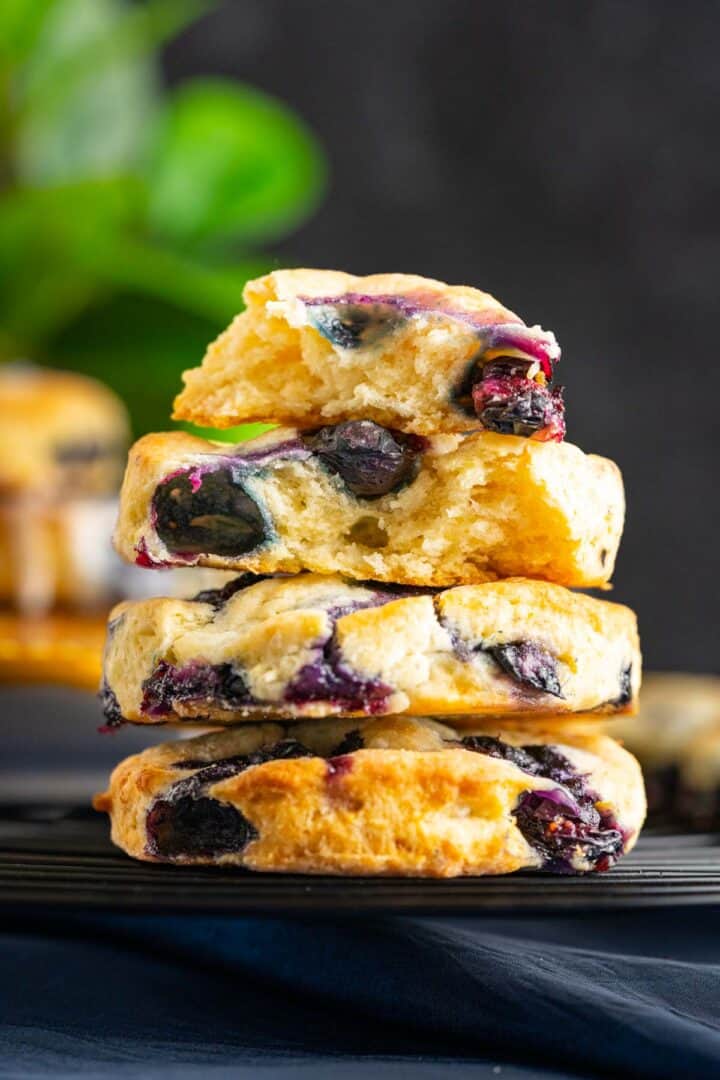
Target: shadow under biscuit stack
400	679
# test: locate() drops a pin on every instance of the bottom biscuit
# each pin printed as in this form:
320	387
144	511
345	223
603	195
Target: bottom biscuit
393	795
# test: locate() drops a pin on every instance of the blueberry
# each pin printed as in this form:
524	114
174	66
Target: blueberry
209	772
551	763
560	835
185	822
208	514
521	411
110	707
370	460
530	664
625	687
218	597
506	401
351	742
196	827
352	325
219	685
503	366
487	744
559	823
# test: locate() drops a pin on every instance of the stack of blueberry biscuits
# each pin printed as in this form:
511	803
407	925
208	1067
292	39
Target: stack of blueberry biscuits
400	679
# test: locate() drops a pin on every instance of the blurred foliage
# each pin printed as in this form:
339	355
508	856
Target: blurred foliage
131	216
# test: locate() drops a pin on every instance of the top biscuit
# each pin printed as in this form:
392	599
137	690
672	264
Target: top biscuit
320	346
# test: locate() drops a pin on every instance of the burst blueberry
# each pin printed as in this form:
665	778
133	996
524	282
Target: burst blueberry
506	400
219	686
329	678
563	824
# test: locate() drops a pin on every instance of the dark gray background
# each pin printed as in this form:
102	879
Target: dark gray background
566	157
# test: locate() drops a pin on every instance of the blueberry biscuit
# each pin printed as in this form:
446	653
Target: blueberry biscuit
388	796
317	347
674	738
321	646
62	434
359	499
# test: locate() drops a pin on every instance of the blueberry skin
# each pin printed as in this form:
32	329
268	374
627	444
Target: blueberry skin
506	401
209	514
353	325
370	460
559	835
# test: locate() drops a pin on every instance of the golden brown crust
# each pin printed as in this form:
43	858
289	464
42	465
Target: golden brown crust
271	365
481	507
417	654
411	801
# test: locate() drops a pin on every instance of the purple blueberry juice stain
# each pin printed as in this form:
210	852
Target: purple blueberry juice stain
197	684
148	562
563	824
328	678
338	767
371	460
184	822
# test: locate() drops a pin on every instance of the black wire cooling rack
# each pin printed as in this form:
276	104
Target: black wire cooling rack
59	856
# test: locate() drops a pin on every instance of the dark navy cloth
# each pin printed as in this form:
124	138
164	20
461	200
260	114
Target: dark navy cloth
632	994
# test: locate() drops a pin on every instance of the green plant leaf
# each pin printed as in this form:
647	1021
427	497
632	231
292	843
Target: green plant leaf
88	125
139	346
88	90
45	233
231	163
208	290
21	23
